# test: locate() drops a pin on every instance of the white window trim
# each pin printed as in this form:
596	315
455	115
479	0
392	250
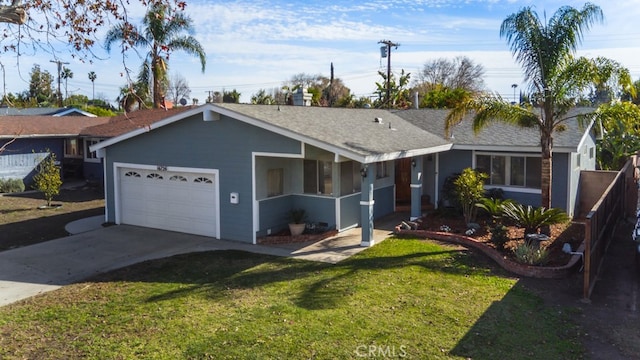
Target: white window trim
87	143
507	156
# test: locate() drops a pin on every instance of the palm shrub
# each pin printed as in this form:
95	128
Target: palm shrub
469	190
48	180
494	207
531	219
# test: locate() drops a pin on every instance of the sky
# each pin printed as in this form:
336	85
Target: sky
253	45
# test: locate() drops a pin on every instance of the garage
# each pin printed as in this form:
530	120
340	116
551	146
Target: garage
172	199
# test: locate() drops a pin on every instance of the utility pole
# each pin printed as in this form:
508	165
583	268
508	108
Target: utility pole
389	44
60	63
331	87
210	97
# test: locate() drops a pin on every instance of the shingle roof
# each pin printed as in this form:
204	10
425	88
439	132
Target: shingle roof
70	111
497	135
45	126
122	124
353	130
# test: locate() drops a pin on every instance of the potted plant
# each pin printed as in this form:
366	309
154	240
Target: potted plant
297	224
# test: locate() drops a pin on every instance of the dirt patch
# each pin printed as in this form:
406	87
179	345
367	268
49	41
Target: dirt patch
572	233
23	222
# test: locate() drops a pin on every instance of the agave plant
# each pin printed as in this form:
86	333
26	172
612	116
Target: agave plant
531	218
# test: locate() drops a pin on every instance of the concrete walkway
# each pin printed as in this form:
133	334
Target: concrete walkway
93	249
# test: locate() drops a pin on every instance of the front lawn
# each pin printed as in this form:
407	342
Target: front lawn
399	299
22	222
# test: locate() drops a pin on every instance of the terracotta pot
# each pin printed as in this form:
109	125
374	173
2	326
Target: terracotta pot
296	229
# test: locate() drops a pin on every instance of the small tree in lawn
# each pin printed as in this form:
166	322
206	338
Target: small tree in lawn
470	189
48	178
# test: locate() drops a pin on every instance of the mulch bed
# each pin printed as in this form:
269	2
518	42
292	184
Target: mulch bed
572	233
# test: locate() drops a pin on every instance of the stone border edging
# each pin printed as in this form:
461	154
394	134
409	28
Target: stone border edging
551	272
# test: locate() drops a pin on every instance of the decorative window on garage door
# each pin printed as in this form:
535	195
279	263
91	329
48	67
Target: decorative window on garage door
178	178
132	174
154	176
203	180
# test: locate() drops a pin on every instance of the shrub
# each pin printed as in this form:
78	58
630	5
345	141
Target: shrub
494	207
531	219
48	180
499	236
11	185
530	254
469	190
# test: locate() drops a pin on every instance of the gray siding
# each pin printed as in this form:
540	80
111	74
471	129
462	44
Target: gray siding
349	211
450	163
319	208
225	145
274	214
560	179
384	201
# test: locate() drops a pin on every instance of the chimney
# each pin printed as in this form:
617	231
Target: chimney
302	97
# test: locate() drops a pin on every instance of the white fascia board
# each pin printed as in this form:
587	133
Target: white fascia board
405	154
155	125
585	135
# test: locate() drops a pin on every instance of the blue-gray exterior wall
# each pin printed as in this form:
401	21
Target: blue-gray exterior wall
93	171
226	145
451	162
564	183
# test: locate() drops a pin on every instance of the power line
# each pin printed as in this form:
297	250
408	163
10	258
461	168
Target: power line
387	53
59	71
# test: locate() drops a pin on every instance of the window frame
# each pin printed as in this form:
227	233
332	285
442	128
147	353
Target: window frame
276	174
319	177
79	148
508	182
91	156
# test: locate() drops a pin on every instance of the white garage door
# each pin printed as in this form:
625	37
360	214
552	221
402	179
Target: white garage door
169	200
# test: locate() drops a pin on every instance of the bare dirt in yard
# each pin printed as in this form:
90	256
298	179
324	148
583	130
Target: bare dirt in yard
609	318
23	222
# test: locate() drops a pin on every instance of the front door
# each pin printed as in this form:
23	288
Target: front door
403	181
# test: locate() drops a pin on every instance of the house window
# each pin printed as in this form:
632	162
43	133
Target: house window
517	171
275	182
72	147
318	177
90	156
591	152
382	169
350	179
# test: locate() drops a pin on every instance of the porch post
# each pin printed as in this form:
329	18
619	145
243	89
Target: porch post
366	204
416	187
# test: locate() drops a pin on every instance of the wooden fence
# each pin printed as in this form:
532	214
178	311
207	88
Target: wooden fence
617	202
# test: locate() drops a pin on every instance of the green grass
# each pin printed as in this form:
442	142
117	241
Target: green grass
401	298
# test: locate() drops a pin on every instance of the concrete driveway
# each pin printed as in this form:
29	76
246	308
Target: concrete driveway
35	269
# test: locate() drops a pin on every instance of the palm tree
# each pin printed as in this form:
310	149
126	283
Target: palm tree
555	78
93	77
66	75
162	29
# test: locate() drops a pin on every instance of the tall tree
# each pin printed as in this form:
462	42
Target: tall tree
75	22
40	85
162	34
66	75
399	94
178	88
459	73
555	78
93	77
